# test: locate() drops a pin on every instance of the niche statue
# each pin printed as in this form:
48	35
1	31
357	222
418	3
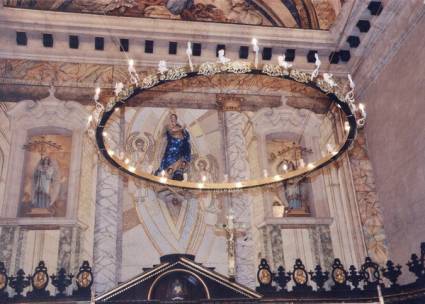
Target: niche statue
177	155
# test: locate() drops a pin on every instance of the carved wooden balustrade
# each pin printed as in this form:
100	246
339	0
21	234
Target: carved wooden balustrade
336	285
342	285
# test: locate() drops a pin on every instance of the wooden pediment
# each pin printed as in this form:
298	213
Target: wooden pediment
177	277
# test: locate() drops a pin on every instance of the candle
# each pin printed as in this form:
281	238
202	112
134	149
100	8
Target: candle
189	54
256	49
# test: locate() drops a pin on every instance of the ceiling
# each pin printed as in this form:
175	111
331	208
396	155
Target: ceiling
305	14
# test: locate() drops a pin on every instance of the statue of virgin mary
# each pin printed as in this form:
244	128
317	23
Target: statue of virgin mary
46	184
177	155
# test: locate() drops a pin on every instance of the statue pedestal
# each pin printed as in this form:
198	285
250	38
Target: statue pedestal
298	212
39	212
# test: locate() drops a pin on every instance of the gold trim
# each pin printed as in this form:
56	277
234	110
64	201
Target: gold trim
214	276
177	270
228	185
123	287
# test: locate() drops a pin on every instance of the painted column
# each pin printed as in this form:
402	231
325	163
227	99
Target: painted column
105	231
371	216
241	204
108	218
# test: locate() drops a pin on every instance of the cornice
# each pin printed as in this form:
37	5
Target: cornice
87	26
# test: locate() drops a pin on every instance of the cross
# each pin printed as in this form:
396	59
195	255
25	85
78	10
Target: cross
232	230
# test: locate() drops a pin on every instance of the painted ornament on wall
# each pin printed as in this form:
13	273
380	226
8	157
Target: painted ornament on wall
45	176
310	14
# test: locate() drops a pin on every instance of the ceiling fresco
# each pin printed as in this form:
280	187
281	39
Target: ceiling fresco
305	14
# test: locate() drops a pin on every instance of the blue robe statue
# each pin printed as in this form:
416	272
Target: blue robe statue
177	153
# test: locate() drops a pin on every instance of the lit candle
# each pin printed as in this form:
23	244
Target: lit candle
126	161
350	80
347	126
362	110
96	94
118	88
204	178
265	173
189	54
256	49
281	60
134	77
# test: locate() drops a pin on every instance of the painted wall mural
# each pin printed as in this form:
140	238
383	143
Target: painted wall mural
45	177
130	217
308	14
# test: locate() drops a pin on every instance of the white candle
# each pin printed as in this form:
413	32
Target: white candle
96	94
189	54
256	49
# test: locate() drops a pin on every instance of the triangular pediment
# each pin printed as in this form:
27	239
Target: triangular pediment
177	277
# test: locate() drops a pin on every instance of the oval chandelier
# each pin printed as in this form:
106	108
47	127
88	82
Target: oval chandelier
355	115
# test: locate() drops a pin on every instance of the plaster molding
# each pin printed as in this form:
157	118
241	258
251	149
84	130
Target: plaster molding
47	114
296	222
87	26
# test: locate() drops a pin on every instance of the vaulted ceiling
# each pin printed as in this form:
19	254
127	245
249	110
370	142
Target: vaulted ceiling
305	14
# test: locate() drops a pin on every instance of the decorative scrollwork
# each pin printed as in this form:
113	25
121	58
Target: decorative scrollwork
19	282
237	67
3	282
325	86
340	95
282	278
299	76
264	274
149	81
39	281
174	74
319	277
111	103
209	68
275	70
339	276
391	272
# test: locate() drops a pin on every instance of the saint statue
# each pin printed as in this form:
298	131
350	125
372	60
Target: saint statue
292	190
177	153
45	183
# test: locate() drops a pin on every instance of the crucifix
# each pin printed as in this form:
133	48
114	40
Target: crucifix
232	231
